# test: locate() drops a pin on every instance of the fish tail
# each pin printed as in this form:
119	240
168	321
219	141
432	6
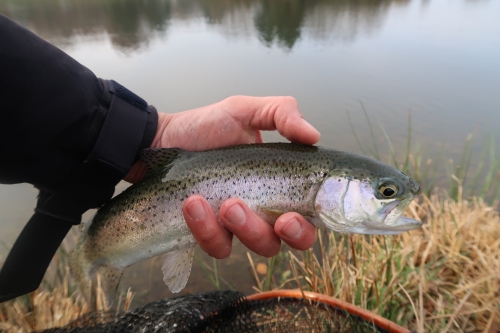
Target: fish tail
80	268
108	279
97	285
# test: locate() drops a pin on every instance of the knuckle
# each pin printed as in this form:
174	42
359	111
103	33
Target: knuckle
257	240
232	100
265	246
209	238
289	100
283	119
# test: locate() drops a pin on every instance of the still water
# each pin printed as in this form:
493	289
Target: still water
438	59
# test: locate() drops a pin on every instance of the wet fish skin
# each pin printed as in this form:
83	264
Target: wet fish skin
146	220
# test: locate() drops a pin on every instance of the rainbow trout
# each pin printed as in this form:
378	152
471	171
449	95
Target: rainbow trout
342	191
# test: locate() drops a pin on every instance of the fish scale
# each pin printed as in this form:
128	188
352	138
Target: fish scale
146	220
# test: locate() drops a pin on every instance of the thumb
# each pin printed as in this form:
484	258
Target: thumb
273	113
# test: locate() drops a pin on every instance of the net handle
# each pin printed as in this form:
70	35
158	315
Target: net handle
379	321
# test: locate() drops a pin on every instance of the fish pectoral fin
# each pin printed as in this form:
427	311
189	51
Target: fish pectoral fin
272	214
177	267
106	281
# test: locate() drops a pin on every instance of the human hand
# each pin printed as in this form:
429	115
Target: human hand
236	120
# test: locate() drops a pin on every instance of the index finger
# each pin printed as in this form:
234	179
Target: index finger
274	113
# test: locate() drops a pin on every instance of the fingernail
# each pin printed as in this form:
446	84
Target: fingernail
292	229
309	127
196	210
236	215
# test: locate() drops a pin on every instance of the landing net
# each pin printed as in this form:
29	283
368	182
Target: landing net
224	311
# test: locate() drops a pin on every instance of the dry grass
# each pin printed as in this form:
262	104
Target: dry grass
41	310
442	278
52	305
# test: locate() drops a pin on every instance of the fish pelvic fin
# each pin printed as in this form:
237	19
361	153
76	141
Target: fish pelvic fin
177	267
159	158
104	286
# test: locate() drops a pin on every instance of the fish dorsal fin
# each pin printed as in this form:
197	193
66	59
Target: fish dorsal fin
159	158
177	267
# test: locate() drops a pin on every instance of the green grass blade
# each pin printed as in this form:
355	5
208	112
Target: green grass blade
375	151
216	274
406	165
389	142
207	273
493	167
355	134
478	172
270	271
467	159
495	191
434	171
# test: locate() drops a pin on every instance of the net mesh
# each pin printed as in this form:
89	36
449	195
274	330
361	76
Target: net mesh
223	311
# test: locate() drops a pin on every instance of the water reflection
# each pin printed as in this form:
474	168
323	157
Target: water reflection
280	20
132	24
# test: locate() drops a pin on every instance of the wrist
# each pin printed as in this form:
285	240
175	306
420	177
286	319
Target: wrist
160	139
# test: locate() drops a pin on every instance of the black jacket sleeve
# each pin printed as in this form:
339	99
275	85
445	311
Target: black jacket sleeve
52	110
67	132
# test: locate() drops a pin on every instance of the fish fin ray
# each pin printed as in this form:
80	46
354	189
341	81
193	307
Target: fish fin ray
177	268
272	214
80	268
159	158
110	279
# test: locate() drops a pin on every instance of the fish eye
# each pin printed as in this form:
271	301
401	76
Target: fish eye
388	190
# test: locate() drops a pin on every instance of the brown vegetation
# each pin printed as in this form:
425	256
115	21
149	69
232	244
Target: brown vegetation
58	306
442	278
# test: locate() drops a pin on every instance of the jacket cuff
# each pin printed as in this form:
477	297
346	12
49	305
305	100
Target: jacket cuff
129	126
112	89
149	132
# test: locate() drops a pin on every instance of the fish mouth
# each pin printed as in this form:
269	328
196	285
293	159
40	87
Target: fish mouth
401	225
393	221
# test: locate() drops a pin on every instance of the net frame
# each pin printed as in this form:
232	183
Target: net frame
369	316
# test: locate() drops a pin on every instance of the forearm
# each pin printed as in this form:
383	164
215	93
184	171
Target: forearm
70	134
52	111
